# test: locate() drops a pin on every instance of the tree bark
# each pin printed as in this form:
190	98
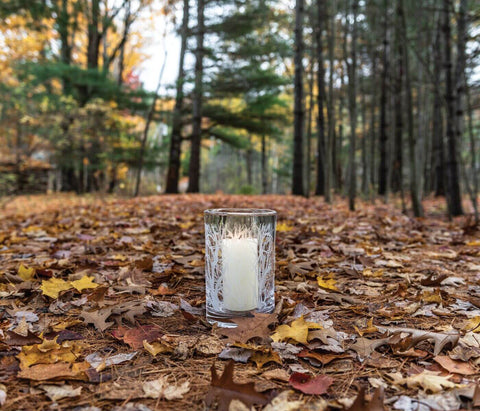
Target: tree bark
194	168
264	165
173	173
352	104
454	200
397	169
383	138
330	105
143	143
321	155
414	183
299	110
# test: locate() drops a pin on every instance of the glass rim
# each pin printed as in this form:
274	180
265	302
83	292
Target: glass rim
242	212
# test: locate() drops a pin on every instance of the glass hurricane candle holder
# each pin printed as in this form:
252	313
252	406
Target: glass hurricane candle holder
239	263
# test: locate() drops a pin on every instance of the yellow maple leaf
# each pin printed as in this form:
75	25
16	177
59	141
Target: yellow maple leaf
84	283
26	273
297	331
432	297
48	352
473	324
263	357
367	272
54	286
156	347
327	283
284	227
474	243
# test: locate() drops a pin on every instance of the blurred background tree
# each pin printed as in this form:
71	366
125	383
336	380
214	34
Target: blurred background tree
320	97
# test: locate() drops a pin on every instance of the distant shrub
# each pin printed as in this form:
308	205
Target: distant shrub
247	189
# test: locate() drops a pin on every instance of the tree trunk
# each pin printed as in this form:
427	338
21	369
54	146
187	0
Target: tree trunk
352	104
194	168
93	35
363	92
173	173
321	155
308	151
383	138
264	165
151	112
454	200
473	159
299	111
438	164
330	105
65	47
397	170
414	183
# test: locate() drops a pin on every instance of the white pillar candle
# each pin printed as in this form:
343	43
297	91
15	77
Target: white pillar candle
240	266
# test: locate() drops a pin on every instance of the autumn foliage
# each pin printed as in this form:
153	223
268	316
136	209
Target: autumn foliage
103	306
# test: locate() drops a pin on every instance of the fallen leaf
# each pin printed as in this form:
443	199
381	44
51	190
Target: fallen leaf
284	226
276	374
61	370
161	388
309	384
223	390
26	273
262	357
15	339
453	366
430	381
327	283
96	360
135	337
57	392
157	347
362	404
3	394
98	318
249	327
84	283
297	331
54	286
49	352
282	403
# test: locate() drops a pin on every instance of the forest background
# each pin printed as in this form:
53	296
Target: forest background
375	98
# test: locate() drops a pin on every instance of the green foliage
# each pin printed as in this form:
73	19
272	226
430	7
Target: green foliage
247	189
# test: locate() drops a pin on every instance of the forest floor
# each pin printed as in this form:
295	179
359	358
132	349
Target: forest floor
102	307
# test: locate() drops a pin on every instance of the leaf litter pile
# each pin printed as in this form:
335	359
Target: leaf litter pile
102	307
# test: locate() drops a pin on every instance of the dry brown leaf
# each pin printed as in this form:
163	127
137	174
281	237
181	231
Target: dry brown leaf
249	327
453	366
223	390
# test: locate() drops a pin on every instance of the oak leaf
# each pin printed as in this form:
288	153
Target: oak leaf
430	381
223	390
297	331
54	286
57	392
98	318
249	327
309	384
262	357
161	388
